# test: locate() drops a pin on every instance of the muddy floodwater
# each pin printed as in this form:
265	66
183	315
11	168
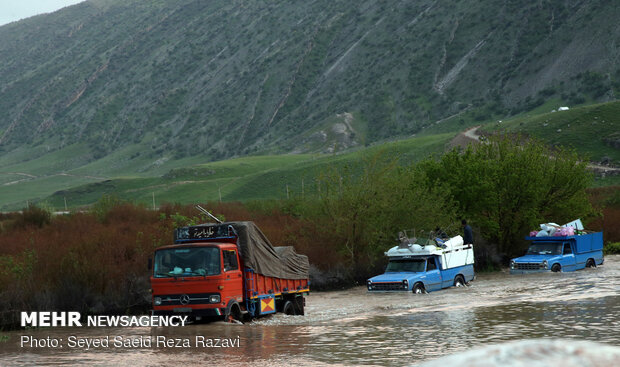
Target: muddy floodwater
353	327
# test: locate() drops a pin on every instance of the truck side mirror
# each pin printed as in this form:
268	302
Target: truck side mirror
150	264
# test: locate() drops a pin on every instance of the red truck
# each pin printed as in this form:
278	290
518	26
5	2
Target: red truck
227	270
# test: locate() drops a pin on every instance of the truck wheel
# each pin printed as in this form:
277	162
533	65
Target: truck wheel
590	263
459	281
233	313
299	306
288	308
418	288
556	268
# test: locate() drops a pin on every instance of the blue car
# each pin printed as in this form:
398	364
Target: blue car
421	269
563	253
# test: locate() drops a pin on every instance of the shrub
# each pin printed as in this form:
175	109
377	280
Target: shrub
612	248
104	205
605	199
33	216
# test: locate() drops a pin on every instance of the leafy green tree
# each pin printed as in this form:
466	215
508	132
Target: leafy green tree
507	187
365	211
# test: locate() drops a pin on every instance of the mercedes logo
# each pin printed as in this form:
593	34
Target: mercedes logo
184	299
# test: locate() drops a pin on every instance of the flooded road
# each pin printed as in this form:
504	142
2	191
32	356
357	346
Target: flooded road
354	327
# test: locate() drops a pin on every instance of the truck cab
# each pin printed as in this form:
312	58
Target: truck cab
198	278
419	269
560	253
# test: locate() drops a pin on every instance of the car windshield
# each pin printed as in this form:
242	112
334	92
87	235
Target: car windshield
406	265
195	261
550	248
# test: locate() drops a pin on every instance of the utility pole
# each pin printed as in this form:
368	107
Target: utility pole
66	204
287	195
219	190
153	200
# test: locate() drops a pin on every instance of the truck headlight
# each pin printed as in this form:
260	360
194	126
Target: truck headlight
157	301
369	284
512	264
405	284
214	298
545	264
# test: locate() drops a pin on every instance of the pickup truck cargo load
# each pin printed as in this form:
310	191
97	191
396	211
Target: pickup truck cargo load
230	270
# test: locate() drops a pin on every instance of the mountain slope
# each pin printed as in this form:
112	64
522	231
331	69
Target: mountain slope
591	130
217	79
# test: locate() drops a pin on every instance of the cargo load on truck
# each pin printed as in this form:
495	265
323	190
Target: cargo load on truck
254	247
453	252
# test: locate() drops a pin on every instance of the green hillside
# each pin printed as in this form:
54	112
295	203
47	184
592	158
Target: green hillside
240	179
218	79
593	131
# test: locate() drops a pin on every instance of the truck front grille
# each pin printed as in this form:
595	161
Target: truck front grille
185	299
528	266
387	286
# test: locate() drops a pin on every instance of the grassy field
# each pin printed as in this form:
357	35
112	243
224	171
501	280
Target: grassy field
587	129
16	196
248	178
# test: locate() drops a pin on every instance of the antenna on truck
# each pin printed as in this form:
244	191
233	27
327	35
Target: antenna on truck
205	211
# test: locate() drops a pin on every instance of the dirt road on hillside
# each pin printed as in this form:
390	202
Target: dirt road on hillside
471	136
29	177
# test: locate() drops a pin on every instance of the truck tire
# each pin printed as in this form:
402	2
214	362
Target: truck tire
459	281
556	268
299	305
288	308
233	313
418	288
590	263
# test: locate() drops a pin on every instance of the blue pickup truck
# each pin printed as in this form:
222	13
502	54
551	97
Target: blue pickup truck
420	269
564	253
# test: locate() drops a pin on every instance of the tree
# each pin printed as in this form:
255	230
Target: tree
366	210
507	187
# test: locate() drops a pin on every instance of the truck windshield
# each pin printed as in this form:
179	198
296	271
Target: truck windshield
406	265
549	248
196	261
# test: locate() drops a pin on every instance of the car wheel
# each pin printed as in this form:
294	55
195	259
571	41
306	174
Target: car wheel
459	281
556	268
418	288
590	263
